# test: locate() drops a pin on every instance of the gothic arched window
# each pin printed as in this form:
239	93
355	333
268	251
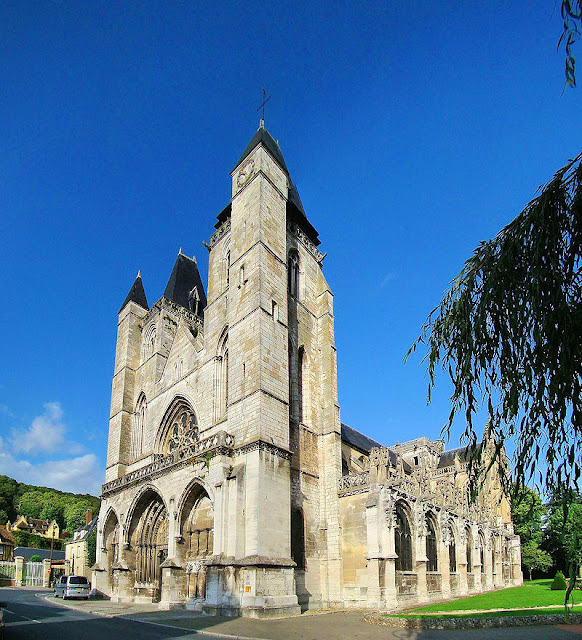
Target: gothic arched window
482	551
402	540
293	274
431	545
221	372
139	421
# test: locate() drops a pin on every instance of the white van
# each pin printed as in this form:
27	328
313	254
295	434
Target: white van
72	587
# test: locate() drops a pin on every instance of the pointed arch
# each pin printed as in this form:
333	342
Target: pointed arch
179	427
221	377
403	537
148	537
138	427
293	273
431	543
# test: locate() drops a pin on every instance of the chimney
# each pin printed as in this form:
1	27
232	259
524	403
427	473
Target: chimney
89	516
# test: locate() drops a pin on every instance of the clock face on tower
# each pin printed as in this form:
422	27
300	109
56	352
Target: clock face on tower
245	174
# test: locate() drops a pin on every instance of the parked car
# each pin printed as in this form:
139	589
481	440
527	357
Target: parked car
72	587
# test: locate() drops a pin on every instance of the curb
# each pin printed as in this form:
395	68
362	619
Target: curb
136	618
471	623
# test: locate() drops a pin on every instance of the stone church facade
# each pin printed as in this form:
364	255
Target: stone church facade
231	484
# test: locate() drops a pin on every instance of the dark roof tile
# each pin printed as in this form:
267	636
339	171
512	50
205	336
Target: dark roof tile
136	294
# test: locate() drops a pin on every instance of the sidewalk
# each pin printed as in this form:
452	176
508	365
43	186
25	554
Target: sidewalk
329	625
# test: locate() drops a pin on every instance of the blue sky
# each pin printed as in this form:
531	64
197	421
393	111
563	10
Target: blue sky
412	130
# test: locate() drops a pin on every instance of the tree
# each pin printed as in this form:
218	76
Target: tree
527	515
572	20
508	331
535	559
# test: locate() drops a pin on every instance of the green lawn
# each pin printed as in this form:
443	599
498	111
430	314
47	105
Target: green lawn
490	614
532	594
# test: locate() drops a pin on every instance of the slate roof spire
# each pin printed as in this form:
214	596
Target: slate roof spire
295	210
136	294
185	285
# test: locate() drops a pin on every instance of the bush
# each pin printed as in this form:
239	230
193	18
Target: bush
25	539
559	583
35	558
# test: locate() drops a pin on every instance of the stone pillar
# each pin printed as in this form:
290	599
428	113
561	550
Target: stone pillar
19	570
373	557
173	585
389	592
462	559
421	559
498	575
515	555
443	559
67	567
46	572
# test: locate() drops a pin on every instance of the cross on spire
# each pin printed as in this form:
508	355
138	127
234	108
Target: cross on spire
262	106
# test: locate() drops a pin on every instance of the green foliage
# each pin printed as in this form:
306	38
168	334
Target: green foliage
508	330
25	539
559	583
535	559
68	509
92	547
35	558
571	19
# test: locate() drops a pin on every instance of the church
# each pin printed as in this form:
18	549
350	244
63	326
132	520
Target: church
231	484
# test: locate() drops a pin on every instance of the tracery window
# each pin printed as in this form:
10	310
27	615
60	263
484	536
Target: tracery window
221	378
402	540
183	431
293	274
139	422
431	545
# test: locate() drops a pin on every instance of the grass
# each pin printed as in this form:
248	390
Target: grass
491	614
532	594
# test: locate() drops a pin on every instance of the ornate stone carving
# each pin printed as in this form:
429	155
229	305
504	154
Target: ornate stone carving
220	443
305	241
183	432
390	510
354	480
219	233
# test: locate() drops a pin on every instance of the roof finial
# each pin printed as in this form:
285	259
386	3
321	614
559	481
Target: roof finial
180	252
262	106
139	273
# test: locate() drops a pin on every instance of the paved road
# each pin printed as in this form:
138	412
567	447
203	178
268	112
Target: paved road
28	617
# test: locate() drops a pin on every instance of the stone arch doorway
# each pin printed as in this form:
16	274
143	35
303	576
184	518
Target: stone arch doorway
197	527
110	546
149	545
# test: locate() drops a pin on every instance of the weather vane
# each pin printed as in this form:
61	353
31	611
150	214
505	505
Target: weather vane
262	105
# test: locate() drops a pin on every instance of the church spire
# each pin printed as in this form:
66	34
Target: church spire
136	294
185	285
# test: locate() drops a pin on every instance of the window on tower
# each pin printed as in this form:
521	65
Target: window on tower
293	274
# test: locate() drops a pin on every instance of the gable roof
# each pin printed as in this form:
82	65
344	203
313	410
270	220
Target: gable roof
184	277
136	294
6	536
447	458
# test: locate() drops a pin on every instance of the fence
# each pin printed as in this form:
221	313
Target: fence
7	573
32	574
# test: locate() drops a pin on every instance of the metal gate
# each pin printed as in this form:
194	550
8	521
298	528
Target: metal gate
32	574
7	572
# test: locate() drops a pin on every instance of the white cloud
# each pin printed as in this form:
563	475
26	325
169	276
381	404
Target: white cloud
82	474
45	434
388	278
